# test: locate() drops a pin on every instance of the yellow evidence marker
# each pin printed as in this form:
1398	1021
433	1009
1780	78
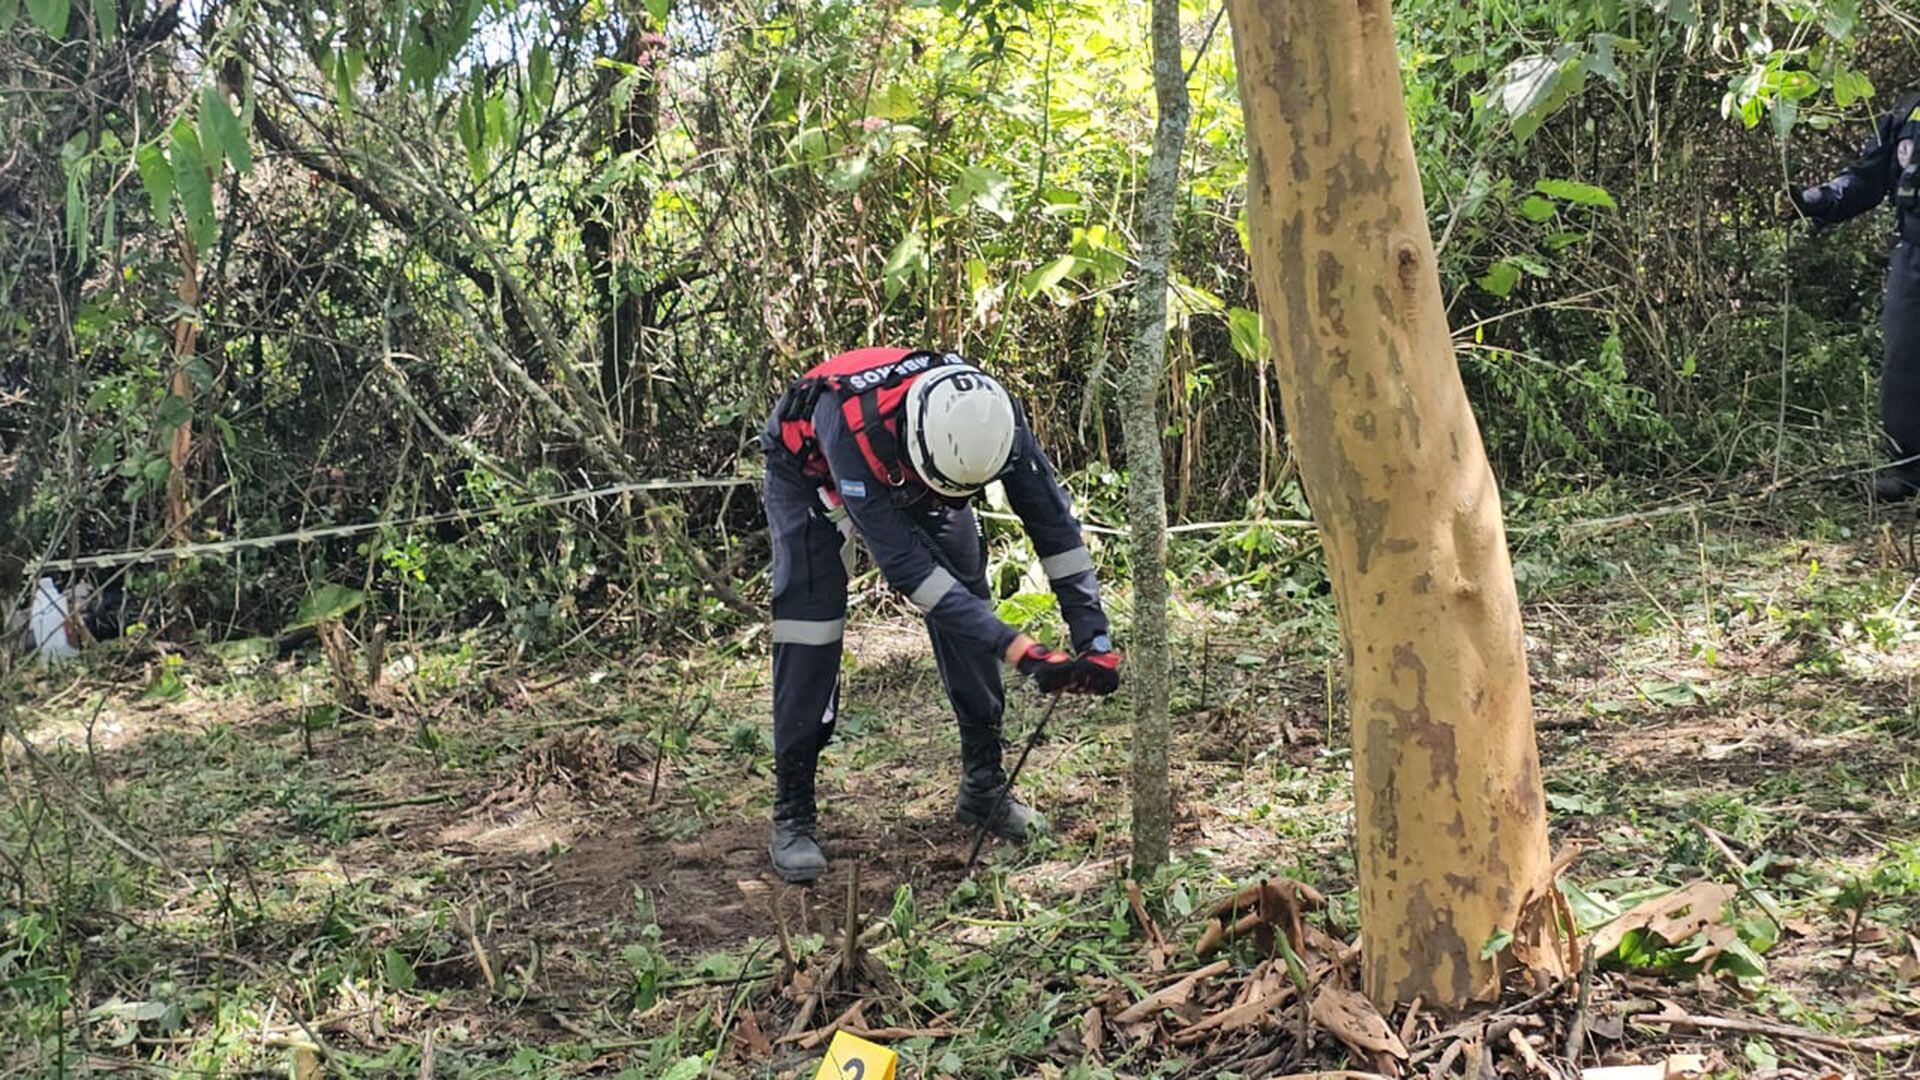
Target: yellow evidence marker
850	1057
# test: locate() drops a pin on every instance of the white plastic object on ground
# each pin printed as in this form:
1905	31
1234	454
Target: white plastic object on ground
47	625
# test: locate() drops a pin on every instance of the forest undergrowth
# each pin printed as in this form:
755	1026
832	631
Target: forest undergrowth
218	864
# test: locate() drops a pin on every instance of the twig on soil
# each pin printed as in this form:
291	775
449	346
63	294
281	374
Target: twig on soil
394	804
1864	1043
1492	1023
1577	1030
1177	992
479	950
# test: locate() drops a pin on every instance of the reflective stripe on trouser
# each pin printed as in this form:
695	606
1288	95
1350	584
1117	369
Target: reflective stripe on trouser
1067	564
970	674
809	611
1900	372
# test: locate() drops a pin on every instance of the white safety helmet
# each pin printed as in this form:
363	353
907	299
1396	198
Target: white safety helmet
959	429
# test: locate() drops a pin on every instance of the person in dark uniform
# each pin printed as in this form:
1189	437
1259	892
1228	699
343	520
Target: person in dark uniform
889	445
1888	171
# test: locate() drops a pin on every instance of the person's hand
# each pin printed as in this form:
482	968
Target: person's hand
1097	672
1786	205
1050	669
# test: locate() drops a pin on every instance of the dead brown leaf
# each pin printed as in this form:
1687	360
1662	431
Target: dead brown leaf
1352	1019
1674	917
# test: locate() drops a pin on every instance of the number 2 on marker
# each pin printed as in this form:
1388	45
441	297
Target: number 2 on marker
850	1057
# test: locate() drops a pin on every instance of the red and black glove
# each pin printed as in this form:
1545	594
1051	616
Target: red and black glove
1097	672
1051	670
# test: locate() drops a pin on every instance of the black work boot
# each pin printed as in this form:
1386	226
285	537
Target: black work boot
796	857
981	784
1895	485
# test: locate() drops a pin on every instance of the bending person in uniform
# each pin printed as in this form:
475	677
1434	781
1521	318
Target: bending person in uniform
889	446
1888	171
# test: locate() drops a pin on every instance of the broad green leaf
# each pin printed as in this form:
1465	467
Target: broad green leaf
221	133
1575	192
1046	277
194	186
1501	278
1850	87
106	18
9	14
400	974
659	9
50	16
1536	209
156	470
1248	332
893	102
983	188
1496	944
326	604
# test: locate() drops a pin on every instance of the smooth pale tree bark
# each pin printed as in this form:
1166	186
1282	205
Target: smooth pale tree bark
1450	813
1146	485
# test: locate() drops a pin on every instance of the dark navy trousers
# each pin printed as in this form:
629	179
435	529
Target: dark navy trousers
810	611
1900	372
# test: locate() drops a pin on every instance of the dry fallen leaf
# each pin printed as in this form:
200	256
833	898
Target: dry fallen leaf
1352	1019
1675	917
1091	1031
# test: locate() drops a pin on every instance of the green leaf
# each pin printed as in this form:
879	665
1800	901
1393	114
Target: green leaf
191	182
1248	332
166	686
1536	209
1575	192
9	14
221	133
540	78
400	974
1588	909
687	1068
156	470
496	121
1501	278
326	604
50	16
894	102
659	9
1662	692
1046	277
78	222
1496	944
106	19
1851	86
908	257
174	411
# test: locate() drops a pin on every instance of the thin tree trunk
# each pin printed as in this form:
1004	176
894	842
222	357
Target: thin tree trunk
1450	813
1146	485
186	335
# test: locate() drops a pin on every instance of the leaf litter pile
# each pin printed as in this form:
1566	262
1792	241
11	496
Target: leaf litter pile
1266	991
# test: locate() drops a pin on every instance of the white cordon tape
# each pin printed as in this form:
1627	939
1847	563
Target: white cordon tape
301	536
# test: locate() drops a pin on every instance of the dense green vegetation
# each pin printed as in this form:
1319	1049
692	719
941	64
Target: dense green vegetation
449	256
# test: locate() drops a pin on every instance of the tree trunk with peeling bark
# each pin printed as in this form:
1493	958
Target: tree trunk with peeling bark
1146	484
1450	812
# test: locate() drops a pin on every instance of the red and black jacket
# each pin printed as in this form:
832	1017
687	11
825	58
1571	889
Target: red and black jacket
871	385
838	426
